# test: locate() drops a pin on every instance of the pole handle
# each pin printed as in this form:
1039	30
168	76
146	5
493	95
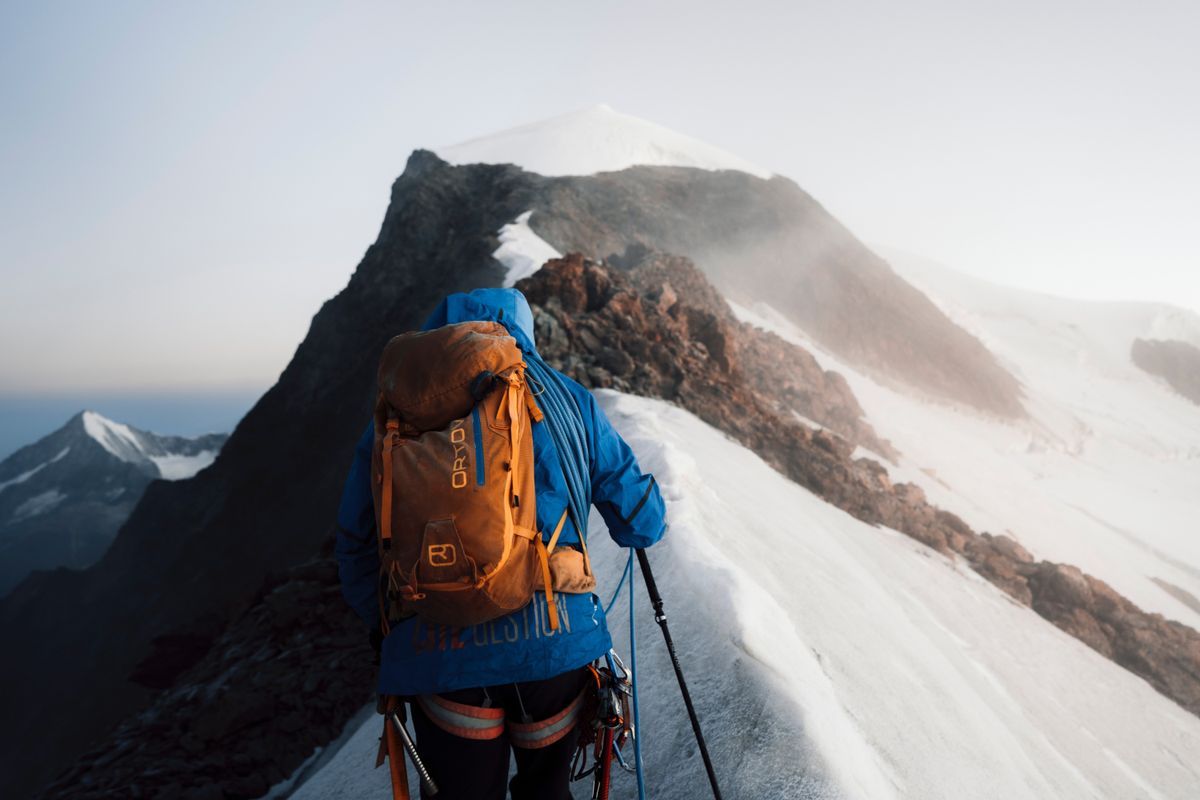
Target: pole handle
651	587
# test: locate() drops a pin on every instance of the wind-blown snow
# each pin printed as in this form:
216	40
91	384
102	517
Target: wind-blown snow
829	658
1104	475
596	139
40	503
522	251
24	476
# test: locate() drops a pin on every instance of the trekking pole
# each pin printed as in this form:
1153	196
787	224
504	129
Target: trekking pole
661	618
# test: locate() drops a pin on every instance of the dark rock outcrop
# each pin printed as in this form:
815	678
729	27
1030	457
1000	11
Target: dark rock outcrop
1178	363
278	683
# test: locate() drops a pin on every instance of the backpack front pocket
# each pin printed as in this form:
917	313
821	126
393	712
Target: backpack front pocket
443	560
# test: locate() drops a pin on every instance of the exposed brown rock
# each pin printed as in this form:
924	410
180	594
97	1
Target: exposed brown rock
629	330
1178	363
684	346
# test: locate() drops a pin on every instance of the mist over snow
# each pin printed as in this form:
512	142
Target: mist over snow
596	139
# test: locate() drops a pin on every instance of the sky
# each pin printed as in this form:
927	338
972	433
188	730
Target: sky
185	184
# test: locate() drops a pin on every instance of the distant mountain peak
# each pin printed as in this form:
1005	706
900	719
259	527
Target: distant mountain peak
63	497
594	139
115	437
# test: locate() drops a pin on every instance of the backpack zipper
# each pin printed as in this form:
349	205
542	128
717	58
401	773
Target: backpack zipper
479	465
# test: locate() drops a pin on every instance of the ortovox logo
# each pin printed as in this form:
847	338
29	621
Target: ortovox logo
458	439
442	555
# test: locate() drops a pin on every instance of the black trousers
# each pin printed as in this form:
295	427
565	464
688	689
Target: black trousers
470	769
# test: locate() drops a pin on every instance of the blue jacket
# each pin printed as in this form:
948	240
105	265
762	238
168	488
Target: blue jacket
420	658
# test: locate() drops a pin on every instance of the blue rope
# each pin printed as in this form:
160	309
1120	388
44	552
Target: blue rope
637	724
612	601
566	427
565	424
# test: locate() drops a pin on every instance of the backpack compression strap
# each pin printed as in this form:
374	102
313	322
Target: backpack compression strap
544	550
385	506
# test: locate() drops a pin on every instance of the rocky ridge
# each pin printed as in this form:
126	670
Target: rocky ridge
693	352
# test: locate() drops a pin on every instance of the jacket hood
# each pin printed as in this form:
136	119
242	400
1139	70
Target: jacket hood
506	306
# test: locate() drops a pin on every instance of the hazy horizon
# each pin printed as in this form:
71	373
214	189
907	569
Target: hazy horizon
186	186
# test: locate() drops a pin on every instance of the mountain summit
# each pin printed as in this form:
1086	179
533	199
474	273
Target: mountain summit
596	139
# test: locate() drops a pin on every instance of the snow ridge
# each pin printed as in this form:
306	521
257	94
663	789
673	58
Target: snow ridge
114	437
522	251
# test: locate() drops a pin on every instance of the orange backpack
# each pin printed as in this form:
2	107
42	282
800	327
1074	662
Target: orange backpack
452	478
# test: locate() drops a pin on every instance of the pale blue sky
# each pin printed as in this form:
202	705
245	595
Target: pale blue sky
184	184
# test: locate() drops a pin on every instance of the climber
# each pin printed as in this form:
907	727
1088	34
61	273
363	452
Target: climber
516	680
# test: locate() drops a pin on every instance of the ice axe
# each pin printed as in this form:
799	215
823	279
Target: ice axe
395	731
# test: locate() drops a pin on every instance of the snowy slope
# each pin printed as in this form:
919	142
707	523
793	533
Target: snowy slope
29	473
596	139
832	659
1106	473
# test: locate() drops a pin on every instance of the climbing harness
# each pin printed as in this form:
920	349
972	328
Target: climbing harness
609	727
